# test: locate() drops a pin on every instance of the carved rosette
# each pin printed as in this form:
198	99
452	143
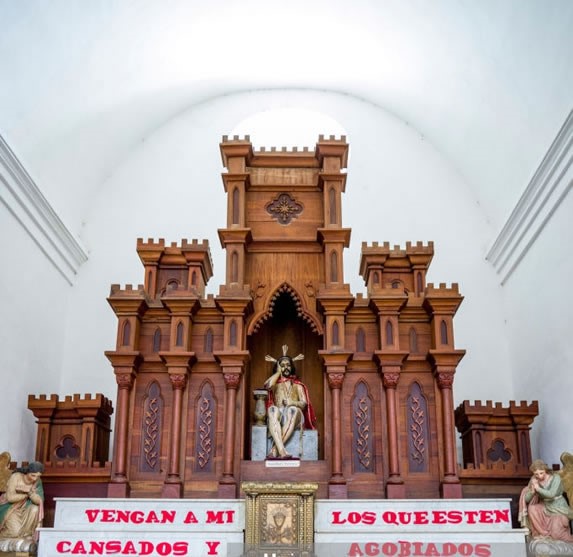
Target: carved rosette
390	379
178	381
124	380
445	379
232	380
284	208
335	380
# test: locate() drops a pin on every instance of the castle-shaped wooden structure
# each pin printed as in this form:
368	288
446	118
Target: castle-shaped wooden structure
380	368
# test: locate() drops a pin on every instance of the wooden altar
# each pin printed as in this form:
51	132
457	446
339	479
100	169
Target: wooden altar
380	368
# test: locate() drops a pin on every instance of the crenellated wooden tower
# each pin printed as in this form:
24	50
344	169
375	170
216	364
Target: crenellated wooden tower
380	368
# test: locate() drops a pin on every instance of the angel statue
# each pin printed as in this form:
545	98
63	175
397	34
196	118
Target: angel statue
543	509
21	506
288	405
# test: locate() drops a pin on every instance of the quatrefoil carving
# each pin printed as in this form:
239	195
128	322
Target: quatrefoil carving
284	208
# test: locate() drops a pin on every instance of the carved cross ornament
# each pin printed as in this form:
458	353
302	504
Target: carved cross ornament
284	208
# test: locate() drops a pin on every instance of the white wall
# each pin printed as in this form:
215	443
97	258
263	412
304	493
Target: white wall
34	300
399	188
539	301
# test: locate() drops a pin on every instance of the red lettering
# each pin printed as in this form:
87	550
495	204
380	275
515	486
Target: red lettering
389	548
146	548
471	516
483	550
439	517
336	518
449	549
501	515
354	517
152	517
63	546
354	550
190	518
368	517
404	549
113	546
79	548
97	548
180	548
455	517
486	517
420	517
216	517
371	549
137	517
164	548
107	515
213	547
390	517
92	514
404	517
129	548
167	516
432	550
418	548
465	549
122	516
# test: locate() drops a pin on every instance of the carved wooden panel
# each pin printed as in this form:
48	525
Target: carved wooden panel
418	428
362	430
205	429
151	428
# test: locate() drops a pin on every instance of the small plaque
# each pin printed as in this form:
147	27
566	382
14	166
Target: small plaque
290	463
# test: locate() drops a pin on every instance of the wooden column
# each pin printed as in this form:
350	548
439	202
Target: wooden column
444	367
233	368
335	364
390	363
125	366
178	365
441	303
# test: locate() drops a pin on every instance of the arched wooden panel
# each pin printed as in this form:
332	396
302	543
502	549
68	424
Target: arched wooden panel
418	428
362	443
157	340
206	410
153	407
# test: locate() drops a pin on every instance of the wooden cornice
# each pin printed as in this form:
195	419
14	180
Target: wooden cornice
334	236
442	300
234	236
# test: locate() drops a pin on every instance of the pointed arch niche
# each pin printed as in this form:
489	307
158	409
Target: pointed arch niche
283	324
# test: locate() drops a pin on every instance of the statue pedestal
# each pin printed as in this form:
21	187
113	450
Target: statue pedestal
18	547
301	445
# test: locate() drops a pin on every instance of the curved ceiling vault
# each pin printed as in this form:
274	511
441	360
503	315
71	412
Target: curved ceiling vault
488	83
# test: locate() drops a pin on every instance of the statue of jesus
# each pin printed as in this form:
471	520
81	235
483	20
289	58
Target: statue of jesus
288	405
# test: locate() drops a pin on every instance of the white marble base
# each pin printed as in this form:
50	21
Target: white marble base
451	544
215	527
545	548
261	444
55	542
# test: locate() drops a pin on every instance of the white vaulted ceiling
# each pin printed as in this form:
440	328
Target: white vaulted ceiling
488	82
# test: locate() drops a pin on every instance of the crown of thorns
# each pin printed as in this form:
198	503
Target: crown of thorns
269	358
